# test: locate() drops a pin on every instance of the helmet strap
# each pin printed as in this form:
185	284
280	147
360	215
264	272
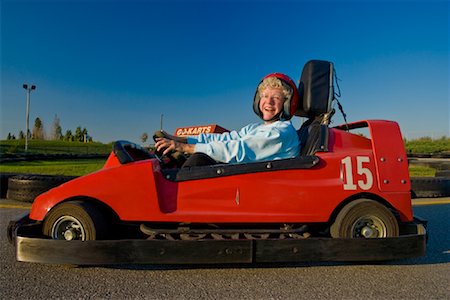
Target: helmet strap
279	117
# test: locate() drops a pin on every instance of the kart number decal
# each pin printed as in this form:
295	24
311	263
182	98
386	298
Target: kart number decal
347	171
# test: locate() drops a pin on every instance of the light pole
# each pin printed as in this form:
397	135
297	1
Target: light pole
29	88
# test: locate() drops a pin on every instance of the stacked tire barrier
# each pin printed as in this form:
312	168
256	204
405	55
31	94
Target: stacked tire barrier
443	173
4	177
431	187
27	187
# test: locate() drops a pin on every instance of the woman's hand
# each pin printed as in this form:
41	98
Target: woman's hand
163	134
170	145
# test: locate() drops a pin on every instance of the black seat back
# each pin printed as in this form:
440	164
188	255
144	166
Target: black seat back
313	136
316	94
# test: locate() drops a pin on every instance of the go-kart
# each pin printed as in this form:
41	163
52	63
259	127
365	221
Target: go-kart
346	197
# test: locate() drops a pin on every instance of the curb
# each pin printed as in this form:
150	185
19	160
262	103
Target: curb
430	201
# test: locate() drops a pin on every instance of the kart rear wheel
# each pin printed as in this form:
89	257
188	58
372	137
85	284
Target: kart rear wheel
364	218
75	220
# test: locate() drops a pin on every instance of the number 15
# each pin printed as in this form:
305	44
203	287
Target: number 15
347	173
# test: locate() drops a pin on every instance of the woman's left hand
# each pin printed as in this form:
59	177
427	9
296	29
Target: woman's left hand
170	145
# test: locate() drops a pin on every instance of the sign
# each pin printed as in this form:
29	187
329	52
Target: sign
196	130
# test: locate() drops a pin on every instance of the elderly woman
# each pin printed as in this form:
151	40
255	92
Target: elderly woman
275	102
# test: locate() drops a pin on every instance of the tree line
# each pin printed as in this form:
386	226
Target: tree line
56	133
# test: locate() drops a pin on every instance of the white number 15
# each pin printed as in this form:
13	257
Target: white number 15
347	173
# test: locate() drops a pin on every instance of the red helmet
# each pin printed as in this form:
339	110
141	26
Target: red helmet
290	104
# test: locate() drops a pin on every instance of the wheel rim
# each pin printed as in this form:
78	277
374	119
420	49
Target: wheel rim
68	228
369	227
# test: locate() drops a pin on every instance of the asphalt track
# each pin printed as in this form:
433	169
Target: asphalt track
421	278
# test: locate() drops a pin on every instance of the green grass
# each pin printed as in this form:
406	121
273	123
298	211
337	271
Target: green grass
428	145
79	167
421	171
66	167
421	145
53	147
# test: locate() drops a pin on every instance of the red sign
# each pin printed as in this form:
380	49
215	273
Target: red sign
196	130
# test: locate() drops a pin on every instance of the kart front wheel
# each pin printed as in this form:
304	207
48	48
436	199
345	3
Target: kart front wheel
75	220
364	218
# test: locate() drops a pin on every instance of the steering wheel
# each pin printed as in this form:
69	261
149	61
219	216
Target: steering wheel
173	158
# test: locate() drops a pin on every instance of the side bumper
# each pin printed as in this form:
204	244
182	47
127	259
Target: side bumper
30	247
20	222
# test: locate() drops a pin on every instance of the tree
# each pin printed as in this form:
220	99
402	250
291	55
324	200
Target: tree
38	130
68	136
56	133
21	135
144	137
78	134
9	136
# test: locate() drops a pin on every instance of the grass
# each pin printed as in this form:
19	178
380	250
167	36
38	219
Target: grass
421	171
79	167
428	145
66	167
53	147
422	145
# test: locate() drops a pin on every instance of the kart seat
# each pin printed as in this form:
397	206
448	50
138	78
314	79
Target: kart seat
316	94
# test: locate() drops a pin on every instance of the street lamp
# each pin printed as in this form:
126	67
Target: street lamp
29	88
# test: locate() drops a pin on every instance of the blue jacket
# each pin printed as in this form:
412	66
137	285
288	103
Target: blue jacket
254	142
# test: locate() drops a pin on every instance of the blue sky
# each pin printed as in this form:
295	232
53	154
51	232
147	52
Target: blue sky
115	66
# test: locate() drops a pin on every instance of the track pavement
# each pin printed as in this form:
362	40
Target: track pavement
422	278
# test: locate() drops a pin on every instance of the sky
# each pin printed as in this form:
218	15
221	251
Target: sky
114	67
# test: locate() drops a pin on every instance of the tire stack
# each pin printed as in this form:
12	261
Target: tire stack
27	187
4	177
432	187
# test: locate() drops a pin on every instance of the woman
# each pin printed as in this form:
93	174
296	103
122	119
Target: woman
275	102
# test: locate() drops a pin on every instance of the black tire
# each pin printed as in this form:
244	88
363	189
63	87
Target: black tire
430	187
27	187
443	173
75	220
364	218
4	177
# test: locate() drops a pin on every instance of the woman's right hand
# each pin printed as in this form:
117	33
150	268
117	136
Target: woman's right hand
167	145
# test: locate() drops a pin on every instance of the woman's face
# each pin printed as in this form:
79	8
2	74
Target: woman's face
271	103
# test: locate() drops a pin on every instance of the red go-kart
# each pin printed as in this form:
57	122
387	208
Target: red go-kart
346	197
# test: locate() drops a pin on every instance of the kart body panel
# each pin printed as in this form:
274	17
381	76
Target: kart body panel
354	166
